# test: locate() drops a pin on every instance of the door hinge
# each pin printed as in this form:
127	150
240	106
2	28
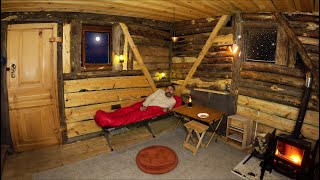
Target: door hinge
55	39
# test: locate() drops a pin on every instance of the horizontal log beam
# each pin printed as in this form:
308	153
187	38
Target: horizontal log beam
273	78
94	74
309	131
104	83
284	111
277	98
273	68
95	97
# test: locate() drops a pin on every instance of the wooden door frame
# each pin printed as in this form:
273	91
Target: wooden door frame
55	71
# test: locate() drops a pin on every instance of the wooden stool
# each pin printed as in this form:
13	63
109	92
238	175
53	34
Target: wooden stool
200	130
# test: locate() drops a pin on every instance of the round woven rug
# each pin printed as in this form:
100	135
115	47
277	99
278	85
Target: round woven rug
157	159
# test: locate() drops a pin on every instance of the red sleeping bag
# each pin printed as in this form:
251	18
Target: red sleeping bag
130	114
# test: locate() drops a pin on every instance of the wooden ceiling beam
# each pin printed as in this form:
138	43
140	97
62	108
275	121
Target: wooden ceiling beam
169	5
265	5
92	7
222	22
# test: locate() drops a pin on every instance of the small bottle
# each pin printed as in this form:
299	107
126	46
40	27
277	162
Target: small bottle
190	102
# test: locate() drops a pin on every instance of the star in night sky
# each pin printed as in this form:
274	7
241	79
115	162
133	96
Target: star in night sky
261	45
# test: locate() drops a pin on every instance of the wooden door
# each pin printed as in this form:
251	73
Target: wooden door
32	86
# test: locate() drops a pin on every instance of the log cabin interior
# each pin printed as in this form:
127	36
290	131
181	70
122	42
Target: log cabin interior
61	61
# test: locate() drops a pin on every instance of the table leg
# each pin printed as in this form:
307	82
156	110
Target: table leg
214	132
200	137
177	125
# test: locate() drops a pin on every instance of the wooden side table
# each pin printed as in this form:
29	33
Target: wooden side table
214	116
200	130
239	131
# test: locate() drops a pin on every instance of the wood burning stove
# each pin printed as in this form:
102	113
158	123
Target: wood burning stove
290	154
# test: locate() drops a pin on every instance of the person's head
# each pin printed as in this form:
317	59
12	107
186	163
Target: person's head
170	90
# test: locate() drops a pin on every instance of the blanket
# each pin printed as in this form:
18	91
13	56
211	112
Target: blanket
130	114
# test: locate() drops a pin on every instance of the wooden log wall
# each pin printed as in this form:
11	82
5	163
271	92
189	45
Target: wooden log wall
84	92
83	97
214	72
272	93
154	47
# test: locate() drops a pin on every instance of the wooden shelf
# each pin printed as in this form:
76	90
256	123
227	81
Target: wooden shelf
236	128
239	131
235	137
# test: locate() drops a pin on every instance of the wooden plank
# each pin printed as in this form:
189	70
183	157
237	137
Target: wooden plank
138	56
82	128
309	131
204	50
66	48
282	47
103	83
95	97
284	111
125	54
81	113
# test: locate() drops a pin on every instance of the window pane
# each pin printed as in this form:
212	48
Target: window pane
261	45
97	47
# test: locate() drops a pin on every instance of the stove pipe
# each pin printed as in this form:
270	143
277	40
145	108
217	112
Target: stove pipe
303	106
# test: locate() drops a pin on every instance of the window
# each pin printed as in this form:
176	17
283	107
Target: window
96	47
261	45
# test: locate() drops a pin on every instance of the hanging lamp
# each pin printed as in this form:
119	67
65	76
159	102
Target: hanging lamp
174	38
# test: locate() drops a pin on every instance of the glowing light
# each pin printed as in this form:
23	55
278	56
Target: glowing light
233	49
174	39
296	159
97	38
163	75
121	57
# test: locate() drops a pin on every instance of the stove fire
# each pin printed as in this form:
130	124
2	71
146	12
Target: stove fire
289	153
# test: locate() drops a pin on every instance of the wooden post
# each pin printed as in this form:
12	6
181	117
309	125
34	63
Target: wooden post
303	53
282	47
66	48
222	21
236	63
75	46
138	56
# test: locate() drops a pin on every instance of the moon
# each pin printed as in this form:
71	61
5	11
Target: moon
97	38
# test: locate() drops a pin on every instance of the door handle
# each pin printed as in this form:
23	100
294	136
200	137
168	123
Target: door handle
13	70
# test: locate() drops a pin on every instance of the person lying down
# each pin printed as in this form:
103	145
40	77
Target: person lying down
157	103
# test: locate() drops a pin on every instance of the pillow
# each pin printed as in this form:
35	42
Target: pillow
178	101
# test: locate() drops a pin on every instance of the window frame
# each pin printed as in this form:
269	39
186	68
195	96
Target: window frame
270	27
89	66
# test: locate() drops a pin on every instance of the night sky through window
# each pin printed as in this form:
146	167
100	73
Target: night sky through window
97	47
261	45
